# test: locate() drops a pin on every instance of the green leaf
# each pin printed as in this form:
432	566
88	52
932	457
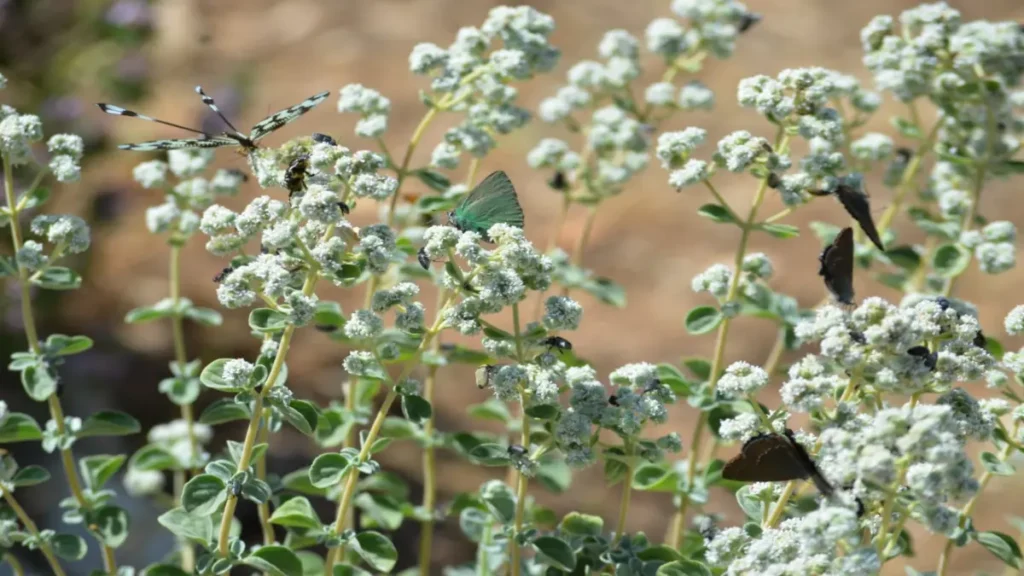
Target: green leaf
950	260
655	477
904	257
376	550
298	481
433	179
111	523
164	570
349	570
97	469
555	475
490	409
543	411
203	494
579	524
1002	546
296	513
500	500
783	231
684	567
184	525
661	553
212	376
225	410
267	320
303	415
275	560
328	314
38	383
328	469
68	345
556	552
993	465
489	454
147	314
906	128
33	198
703	319
153	458
18	427
68	546
716	213
700	368
58	278
30	476
416	408
109	423
204	316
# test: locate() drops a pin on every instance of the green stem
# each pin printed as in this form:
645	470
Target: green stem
263	510
32	335
429	460
523	482
718	357
627	491
180	354
481	552
907	180
32	529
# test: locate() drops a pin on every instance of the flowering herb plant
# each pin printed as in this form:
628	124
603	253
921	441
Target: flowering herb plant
881	409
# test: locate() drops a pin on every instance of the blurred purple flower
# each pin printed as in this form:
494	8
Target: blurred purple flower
132	68
62	108
129	14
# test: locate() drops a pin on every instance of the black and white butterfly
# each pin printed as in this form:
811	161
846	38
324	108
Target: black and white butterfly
837	266
232	137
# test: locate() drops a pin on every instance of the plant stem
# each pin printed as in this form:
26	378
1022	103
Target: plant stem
947	551
429	460
16	566
907	180
417	135
180	354
32	335
627	492
718	357
513	546
32	529
780	508
263	510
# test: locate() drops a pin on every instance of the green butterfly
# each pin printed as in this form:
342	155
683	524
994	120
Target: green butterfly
493	201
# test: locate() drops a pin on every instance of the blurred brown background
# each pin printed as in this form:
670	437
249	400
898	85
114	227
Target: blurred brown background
263	55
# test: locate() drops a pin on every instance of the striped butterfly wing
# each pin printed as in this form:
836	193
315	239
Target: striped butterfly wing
180	143
493	201
282	117
856	203
766	458
837	266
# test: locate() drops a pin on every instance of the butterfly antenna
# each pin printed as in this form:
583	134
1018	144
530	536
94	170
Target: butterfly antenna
209	101
118	111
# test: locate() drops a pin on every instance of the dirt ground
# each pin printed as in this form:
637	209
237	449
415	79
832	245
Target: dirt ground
649	239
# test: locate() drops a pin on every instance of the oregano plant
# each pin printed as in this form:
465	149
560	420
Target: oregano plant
870	417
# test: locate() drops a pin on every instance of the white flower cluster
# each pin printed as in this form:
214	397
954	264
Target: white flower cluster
179	212
173	437
995	246
372	107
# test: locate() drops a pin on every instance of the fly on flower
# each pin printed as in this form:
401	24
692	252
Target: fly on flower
556	342
323	139
231	137
493	201
484	374
295	175
775	458
837	266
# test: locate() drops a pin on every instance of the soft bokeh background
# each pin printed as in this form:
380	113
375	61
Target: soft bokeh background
61	56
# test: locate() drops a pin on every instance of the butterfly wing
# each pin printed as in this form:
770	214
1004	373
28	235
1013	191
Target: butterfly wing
837	266
856	203
811	469
180	143
493	201
282	117
766	458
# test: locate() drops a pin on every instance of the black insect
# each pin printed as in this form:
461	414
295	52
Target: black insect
943	303
484	374
930	358
613	400
858	337
236	488
238	174
747	21
837	266
223	274
423	259
295	175
856	204
559	181
979	340
556	342
774	181
652	386
344	208
903	154
775	458
516	451
706	528
323	139
246	143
